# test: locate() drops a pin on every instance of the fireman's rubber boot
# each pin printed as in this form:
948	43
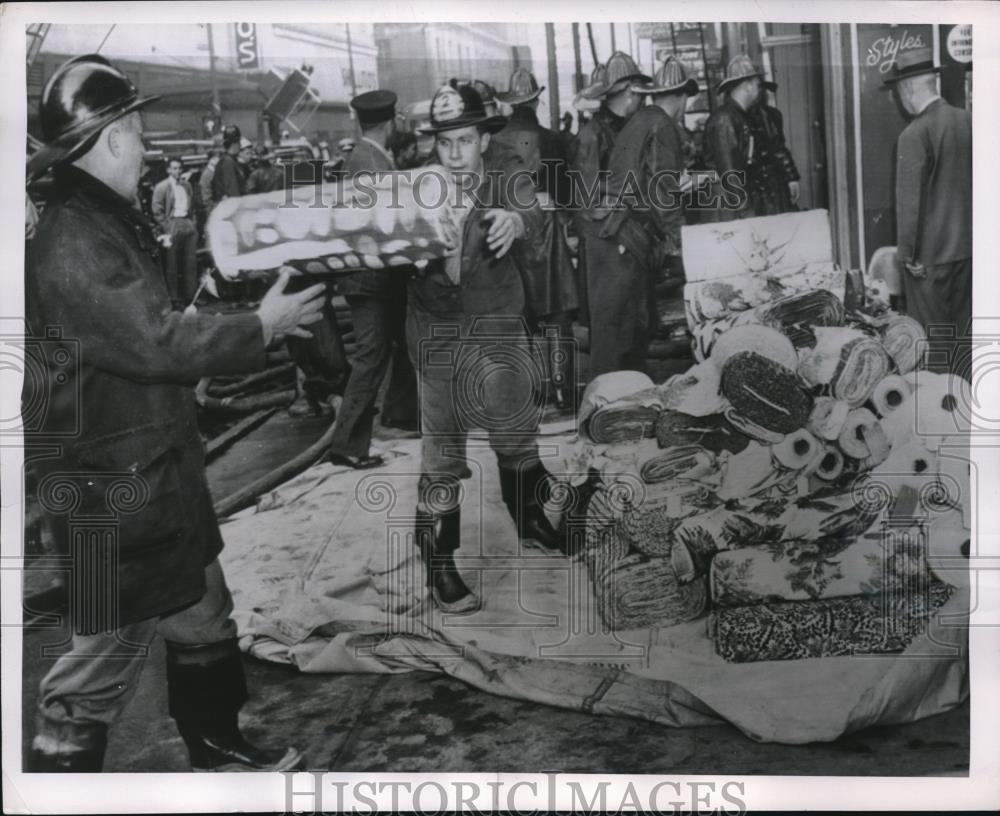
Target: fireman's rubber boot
525	493
438	535
206	688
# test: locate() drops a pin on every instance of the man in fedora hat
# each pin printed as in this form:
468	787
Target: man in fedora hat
611	89
775	180
465	320
934	207
640	225
551	280
94	277
730	149
377	298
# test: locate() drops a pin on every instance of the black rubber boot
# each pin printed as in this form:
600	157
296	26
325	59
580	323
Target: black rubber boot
438	536
524	492
88	759
206	688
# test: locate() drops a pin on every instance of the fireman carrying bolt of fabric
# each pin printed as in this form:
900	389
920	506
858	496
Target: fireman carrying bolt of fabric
464	320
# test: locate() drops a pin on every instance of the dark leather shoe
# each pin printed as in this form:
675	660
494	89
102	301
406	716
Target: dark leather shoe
356	462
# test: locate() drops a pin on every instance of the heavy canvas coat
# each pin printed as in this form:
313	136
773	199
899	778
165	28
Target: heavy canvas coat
95	289
550	279
729	146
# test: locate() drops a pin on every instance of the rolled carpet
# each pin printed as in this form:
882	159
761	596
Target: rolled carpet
627	419
714	433
609	388
831	465
797	450
685	461
798	315
863	438
764	340
639	593
858	625
847	362
765	393
889	394
834	565
903	339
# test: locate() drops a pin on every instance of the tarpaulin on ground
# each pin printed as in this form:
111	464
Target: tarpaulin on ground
325	576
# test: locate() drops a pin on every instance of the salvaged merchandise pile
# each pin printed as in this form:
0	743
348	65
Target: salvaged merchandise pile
792	485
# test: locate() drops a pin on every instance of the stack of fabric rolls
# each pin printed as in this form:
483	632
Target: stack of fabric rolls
788	487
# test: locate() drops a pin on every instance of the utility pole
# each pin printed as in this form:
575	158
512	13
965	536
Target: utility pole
216	104
613	46
550	42
350	60
593	48
578	77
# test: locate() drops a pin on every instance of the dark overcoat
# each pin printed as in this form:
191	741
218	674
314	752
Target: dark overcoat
116	368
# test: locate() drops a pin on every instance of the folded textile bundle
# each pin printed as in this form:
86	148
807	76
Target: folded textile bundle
627	419
862	624
714	433
638	592
695	392
263	231
764	394
846	561
902	338
846	361
681	462
763	340
797	315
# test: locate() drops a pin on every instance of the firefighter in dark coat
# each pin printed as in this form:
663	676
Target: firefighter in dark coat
378	307
590	156
640	227
229	178
730	148
468	340
133	456
775	180
549	275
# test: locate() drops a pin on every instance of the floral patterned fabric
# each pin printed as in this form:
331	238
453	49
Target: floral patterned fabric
858	625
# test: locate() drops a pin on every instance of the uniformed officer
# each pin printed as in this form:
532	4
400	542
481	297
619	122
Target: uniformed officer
640	227
468	341
589	158
378	307
775	180
730	149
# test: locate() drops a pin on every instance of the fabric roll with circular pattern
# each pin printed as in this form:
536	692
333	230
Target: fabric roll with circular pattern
639	593
903	339
846	362
889	394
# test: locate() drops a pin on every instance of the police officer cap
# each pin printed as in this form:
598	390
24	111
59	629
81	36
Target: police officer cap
374	107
